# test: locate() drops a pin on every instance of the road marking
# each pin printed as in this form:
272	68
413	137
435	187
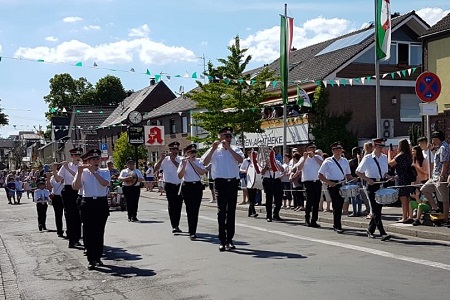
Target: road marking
381	253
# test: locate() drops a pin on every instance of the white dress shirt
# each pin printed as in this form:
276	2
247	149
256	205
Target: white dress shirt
56	186
310	171
41	196
370	168
191	175
223	164
170	171
271	174
331	171
127	172
64	173
90	187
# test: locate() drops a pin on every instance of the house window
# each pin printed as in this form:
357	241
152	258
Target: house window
155	123
416	55
154	156
184	124
173	128
403	54
409	108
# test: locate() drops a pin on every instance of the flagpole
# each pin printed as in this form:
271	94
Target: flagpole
377	80
285	100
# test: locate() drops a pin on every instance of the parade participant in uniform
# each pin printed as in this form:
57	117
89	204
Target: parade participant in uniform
333	170
169	165
309	165
57	201
373	168
225	159
70	196
41	198
273	188
190	171
93	184
131	178
251	192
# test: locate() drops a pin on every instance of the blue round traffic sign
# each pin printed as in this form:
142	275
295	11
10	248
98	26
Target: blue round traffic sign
428	87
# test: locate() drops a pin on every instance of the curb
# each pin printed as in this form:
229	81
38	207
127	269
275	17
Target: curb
8	277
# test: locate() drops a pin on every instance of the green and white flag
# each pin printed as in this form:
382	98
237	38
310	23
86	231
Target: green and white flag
303	98
286	34
383	29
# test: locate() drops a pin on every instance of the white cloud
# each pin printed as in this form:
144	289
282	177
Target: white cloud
264	45
92	27
204	43
142	31
148	52
432	14
51	39
72	19
0	48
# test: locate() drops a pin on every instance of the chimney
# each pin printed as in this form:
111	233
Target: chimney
152	81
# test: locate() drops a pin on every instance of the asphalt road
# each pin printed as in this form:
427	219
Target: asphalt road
278	260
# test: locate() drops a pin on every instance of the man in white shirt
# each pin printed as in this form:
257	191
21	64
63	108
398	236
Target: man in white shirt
131	178
169	165
309	165
333	171
225	159
69	195
93	184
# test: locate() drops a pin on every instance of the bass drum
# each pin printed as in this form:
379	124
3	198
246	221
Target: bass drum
254	180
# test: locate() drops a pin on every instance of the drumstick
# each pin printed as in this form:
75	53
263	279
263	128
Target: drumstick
402	186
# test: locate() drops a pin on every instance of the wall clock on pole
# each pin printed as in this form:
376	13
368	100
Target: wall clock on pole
135	117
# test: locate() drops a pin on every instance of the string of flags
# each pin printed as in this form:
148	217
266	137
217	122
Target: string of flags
195	75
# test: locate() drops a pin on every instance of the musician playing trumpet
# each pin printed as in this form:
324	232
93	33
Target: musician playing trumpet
225	159
273	188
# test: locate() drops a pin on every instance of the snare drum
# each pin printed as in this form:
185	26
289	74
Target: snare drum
386	196
349	191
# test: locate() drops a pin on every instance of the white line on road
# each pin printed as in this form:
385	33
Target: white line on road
409	259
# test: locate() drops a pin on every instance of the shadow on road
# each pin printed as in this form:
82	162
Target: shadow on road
118	254
267	254
149	221
126	272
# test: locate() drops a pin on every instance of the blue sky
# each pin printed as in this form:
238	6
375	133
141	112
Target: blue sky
166	37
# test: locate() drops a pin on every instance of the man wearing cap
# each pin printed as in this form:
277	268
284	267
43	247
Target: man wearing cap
373	168
225	159
131	178
69	195
309	165
169	165
333	171
93	184
190	171
441	171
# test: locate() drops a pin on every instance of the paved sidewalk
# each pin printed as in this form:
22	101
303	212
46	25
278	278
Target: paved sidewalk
390	216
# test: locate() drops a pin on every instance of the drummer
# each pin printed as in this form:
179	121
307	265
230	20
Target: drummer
333	171
373	169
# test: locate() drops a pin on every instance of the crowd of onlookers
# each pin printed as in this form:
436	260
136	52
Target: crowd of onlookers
20	182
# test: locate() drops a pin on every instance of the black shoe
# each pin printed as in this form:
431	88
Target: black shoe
134	219
60	234
91	265
369	234
416	222
176	230
129	219
269	220
222	248
44	227
72	245
385	237
40	227
193	237
339	230
9	202
78	244
435	211
277	218
314	225
307	222
354	214
230	246
99	263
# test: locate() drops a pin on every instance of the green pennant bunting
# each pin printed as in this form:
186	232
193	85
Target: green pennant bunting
79	64
40	60
404	73
148	72
52	110
177	75
227	81
252	82
274	83
344	82
157	77
194	75
356	80
392	75
368	79
318	82
77	111
101	112
413	70
0	58
241	80
331	82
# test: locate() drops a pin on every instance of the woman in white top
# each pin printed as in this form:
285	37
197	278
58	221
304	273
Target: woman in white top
190	171
149	177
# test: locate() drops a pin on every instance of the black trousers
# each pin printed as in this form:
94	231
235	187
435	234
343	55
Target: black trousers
299	197
132	194
375	221
313	193
175	203
251	201
72	214
94	213
274	195
226	196
58	208
338	202
42	213
192	194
